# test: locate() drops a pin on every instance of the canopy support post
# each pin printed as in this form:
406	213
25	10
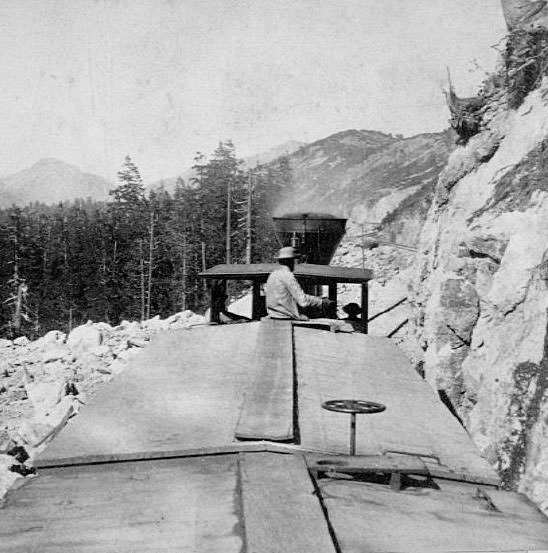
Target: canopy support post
215	293
256	302
365	306
333	291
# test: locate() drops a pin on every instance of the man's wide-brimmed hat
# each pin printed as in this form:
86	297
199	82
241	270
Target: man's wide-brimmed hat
352	309
287	253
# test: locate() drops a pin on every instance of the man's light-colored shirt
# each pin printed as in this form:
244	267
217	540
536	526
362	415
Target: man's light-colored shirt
284	294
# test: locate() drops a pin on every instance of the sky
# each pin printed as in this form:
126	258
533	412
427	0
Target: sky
89	81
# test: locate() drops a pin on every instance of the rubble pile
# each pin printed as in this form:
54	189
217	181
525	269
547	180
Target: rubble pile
386	262
43	383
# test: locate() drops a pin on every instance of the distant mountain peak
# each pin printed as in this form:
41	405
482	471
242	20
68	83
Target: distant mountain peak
49	181
50	161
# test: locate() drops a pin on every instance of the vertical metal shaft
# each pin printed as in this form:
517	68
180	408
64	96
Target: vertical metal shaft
352	433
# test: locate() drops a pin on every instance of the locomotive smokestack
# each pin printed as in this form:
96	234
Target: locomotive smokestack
315	235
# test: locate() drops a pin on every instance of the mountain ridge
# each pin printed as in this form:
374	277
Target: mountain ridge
51	180
262	158
358	173
367	175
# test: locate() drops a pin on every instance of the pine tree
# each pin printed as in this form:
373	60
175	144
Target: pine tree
133	257
129	220
17	301
131	190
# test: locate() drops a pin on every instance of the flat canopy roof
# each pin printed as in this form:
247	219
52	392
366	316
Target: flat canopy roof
260	271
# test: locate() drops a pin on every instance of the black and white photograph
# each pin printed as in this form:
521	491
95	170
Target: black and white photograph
274	276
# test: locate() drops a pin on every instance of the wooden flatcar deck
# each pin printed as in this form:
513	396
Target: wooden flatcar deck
371	517
182	393
197	390
157	463
256	503
415	422
174	505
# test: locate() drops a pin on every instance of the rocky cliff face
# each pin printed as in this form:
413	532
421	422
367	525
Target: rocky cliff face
480	292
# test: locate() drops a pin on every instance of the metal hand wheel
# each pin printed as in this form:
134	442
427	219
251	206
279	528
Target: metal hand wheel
354	407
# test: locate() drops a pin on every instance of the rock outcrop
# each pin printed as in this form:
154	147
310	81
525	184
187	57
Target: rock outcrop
525	14
480	293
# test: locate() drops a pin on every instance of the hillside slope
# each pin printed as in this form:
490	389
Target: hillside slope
261	158
366	175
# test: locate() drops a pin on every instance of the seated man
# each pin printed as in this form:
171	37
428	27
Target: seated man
224	315
284	294
353	311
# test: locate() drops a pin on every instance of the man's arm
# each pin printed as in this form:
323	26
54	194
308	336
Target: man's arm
302	299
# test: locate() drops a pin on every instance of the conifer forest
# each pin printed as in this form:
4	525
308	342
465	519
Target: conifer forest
140	253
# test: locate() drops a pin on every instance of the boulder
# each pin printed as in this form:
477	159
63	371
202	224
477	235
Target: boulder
54	370
7	477
135	342
155	324
485	246
33	433
525	14
129	327
118	365
101	351
21	341
174	319
44	394
42	428
56	353
52	337
88	361
196	320
104	328
125	355
84	338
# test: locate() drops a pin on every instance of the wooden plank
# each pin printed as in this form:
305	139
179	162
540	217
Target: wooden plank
515	504
281	511
354	366
183	392
161	506
462	475
369	517
234	447
361	464
267	410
